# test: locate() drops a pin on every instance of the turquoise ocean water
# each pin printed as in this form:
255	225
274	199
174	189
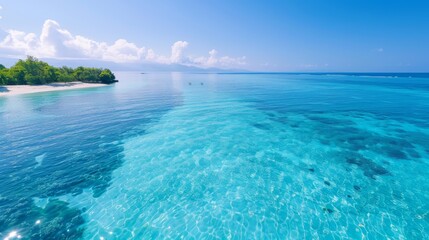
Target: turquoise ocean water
218	156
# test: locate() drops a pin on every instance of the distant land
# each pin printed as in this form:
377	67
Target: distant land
129	66
361	74
33	71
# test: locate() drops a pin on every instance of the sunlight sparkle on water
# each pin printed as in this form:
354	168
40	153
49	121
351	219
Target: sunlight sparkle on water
13	235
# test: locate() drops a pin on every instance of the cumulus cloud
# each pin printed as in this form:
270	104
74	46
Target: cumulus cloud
177	51
57	42
19	41
214	61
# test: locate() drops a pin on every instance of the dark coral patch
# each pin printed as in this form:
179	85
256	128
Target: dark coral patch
261	126
328	210
370	168
398	154
413	153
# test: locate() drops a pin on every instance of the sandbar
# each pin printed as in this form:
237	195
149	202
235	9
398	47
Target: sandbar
11	90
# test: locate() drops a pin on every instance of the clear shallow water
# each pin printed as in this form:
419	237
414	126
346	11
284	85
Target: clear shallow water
267	156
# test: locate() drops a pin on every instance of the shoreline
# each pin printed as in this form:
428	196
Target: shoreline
13	90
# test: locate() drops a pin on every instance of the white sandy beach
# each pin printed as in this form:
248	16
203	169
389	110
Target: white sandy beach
12	90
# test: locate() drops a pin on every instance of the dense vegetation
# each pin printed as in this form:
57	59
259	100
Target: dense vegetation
33	71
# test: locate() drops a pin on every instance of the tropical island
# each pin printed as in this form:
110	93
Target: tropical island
33	75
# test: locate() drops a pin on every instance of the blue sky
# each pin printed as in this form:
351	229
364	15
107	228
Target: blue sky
304	35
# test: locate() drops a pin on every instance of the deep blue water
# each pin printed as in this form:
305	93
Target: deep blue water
219	156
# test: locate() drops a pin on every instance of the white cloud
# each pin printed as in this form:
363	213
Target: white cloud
20	41
312	66
214	61
177	51
57	42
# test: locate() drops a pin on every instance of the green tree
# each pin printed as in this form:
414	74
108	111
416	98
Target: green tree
4	76
29	71
17	75
78	73
65	74
49	74
106	76
34	71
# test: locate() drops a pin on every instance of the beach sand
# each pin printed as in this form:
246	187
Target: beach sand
12	90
